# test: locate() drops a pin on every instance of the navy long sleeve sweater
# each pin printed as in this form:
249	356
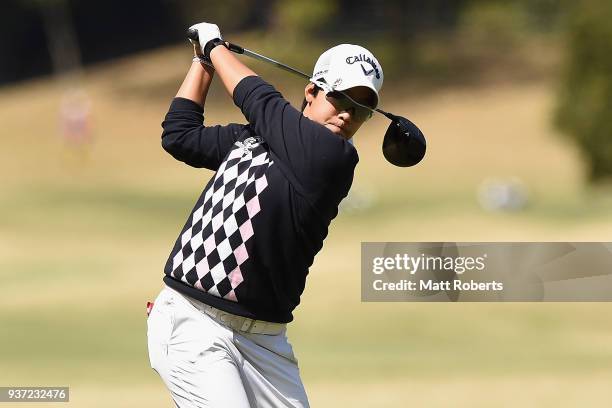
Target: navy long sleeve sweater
254	231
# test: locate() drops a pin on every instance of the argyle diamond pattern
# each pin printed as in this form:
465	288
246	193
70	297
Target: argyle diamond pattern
213	248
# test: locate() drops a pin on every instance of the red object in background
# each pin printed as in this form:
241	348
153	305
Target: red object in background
75	117
149	308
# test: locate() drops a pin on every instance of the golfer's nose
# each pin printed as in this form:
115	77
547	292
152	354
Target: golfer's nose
347	115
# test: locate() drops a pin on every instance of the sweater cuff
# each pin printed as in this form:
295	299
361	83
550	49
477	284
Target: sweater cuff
184	104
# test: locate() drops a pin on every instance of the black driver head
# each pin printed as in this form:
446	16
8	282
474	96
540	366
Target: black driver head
404	144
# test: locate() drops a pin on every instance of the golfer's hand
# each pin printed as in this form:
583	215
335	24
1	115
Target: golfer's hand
206	32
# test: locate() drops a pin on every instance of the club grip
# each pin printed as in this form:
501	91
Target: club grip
192	34
235	48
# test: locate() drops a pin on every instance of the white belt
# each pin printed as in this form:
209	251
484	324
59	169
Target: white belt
239	323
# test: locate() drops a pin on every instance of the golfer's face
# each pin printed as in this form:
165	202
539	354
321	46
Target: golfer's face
337	114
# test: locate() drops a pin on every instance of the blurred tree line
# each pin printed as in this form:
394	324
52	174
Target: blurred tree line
37	35
585	103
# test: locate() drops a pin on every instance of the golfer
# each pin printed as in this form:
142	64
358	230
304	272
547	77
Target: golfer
217	331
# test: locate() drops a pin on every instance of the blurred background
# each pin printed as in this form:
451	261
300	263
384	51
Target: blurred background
515	101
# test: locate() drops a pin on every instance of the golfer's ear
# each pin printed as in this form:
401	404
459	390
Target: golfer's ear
309	92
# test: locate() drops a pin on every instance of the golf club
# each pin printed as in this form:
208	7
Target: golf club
403	144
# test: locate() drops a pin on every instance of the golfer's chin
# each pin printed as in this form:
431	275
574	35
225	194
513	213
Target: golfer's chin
338	130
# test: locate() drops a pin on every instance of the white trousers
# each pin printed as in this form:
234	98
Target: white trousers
206	364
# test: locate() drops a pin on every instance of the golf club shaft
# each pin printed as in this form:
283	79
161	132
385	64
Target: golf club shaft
193	36
253	54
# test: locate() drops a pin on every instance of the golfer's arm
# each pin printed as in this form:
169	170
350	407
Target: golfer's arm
229	68
196	83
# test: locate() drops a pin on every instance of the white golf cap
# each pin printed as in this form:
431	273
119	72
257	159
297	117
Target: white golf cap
346	66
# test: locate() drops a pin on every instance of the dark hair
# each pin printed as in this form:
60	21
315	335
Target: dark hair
316	91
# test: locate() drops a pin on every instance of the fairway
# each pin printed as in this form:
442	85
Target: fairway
84	235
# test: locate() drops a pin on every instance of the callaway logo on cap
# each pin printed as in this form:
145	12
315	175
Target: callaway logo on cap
346	66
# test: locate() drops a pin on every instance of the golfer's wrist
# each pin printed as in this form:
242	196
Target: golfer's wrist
205	65
211	45
217	53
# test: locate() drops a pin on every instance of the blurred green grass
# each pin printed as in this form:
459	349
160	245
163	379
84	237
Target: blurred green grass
84	235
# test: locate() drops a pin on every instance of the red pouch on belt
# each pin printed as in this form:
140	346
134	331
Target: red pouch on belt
149	308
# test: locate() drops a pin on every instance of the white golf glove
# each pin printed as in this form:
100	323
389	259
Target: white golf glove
206	33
